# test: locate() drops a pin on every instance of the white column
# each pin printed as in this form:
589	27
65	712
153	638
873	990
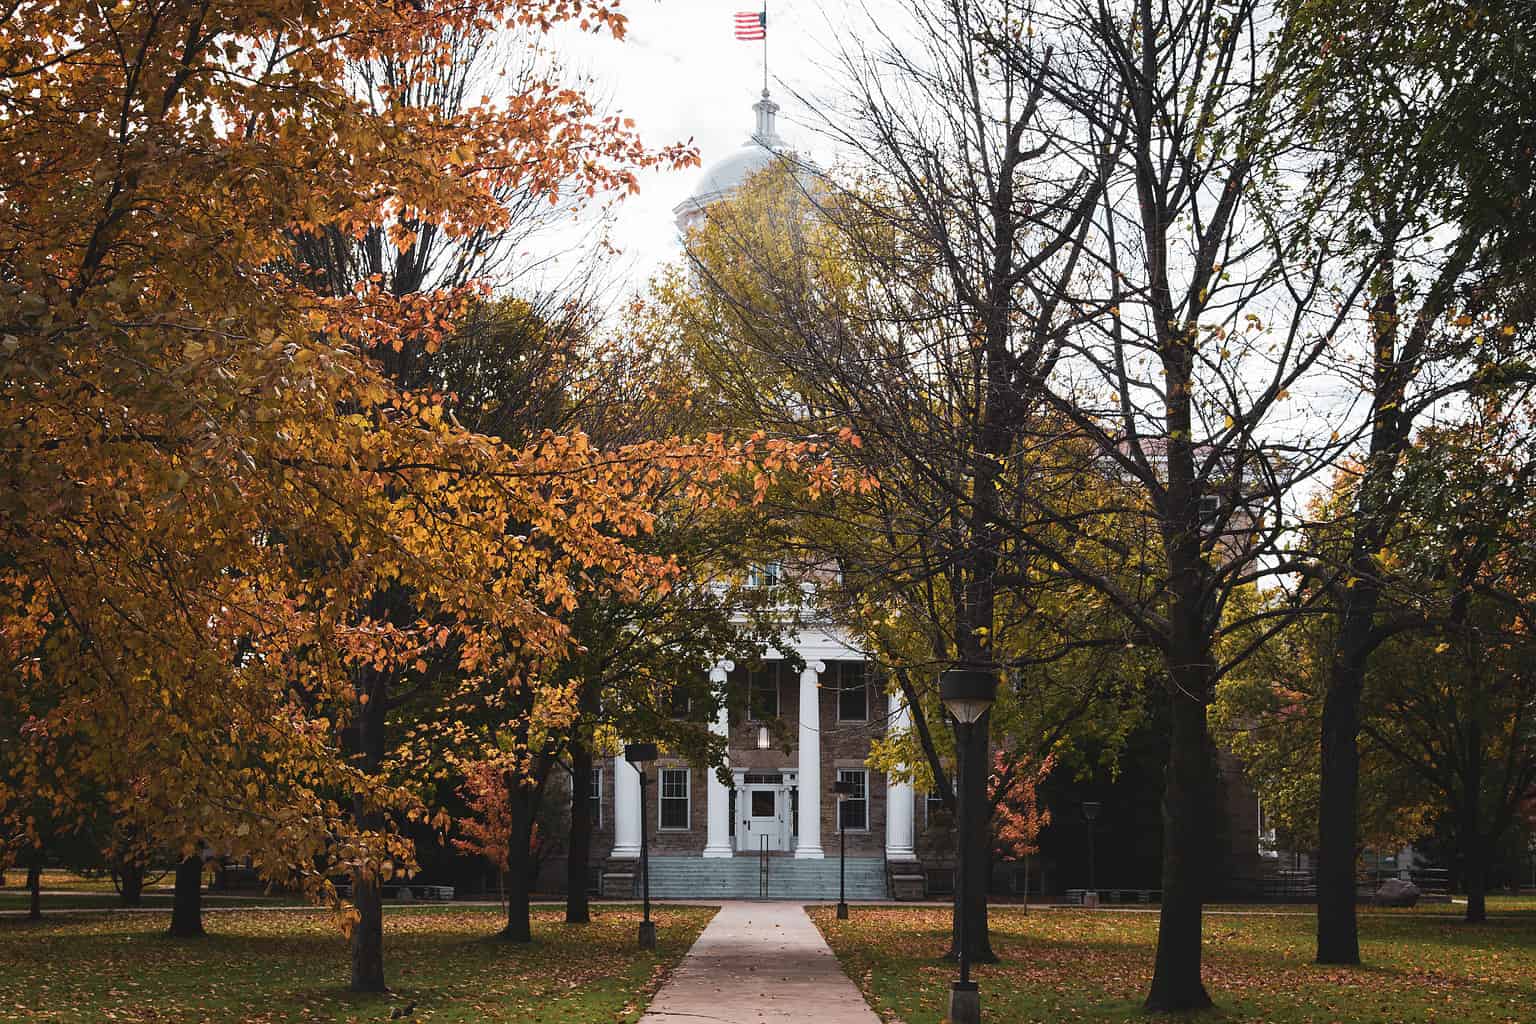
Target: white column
900	831
719	842
626	810
809	847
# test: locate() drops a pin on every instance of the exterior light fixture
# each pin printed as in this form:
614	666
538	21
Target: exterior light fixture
844	788
1091	810
967	693
640	755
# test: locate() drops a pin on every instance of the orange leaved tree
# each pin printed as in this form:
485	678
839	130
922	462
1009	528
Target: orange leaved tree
1017	816
212	491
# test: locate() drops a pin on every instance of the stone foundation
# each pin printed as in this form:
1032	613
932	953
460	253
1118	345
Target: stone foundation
620	884
907	881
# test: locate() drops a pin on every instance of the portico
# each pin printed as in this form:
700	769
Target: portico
807	721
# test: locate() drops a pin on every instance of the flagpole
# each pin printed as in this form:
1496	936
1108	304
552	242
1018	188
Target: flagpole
765	47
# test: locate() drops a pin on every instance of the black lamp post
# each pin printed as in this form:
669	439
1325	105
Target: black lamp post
640	755
967	693
1091	815
844	789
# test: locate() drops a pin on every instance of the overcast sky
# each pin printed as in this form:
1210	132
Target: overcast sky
681	74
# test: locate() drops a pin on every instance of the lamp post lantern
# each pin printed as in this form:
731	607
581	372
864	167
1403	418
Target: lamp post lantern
968	693
640	755
844	789
1091	815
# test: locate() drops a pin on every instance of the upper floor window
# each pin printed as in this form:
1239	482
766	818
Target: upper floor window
680	702
765	574
763	692
852	681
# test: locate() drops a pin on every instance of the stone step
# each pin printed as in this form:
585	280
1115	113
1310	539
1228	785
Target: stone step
741	878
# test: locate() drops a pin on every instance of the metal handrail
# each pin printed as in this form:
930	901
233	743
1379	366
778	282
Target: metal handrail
762	870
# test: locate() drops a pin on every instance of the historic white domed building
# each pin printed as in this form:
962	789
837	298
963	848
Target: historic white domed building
776	829
722	178
772	824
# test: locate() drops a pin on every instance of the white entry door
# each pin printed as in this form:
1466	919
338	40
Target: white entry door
762	810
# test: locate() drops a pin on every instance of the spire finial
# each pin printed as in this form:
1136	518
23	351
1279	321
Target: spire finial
767	132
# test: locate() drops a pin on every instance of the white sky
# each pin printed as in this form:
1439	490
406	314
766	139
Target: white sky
681	74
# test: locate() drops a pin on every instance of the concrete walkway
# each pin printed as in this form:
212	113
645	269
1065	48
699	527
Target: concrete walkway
759	963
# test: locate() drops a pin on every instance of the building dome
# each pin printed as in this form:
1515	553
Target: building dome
723	177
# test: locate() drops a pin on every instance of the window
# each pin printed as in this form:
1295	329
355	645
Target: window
765	574
1268	842
852	692
597	798
1210	506
680	701
763	693
853	811
674	799
595	789
933	806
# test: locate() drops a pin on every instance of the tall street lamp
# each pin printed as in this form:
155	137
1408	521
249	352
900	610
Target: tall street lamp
844	789
640	755
1091	815
967	693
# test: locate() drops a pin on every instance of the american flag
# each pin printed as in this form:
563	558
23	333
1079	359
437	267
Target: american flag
751	25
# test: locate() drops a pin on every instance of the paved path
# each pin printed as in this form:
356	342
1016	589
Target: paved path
758	963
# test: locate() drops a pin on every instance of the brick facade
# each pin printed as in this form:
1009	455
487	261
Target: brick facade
844	744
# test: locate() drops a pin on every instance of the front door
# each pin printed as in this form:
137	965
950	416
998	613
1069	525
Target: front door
762	815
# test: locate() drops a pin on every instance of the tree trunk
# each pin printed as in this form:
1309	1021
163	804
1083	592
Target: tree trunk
1176	983
978	850
1475	845
1476	871
367	936
1338	935
187	909
130	874
578	861
519	885
368	931
35	887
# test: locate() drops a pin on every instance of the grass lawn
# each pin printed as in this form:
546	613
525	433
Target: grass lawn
265	966
57	878
65	890
11	900
1074	965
